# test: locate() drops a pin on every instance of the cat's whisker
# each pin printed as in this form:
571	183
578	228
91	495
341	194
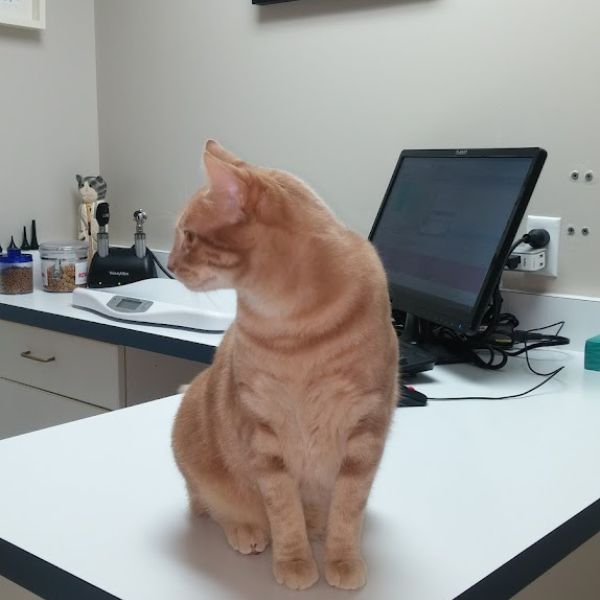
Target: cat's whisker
210	297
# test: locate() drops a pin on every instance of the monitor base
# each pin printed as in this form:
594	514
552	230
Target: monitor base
417	333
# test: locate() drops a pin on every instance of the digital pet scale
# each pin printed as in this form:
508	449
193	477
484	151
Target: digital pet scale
161	301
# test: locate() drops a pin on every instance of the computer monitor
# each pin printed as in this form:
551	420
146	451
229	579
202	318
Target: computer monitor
446	225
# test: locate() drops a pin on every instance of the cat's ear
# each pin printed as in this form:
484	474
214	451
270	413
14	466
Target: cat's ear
213	147
79	179
226	181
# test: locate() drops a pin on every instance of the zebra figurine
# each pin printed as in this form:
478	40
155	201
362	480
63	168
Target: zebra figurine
92	190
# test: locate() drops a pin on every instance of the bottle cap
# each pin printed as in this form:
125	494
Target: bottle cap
15	256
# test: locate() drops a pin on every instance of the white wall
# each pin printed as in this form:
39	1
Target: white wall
334	89
48	120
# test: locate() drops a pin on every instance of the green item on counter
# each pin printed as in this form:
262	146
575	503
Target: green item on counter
592	354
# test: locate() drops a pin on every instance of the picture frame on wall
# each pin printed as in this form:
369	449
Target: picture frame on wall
23	13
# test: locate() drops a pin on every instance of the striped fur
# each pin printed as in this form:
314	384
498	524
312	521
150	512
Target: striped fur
97	183
279	440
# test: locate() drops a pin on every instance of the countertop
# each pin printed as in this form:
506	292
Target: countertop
474	499
54	311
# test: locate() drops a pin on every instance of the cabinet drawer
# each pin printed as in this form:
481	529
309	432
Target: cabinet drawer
64	364
24	409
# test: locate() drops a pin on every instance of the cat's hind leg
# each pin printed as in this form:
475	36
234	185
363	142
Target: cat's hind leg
236	508
213	488
246	539
241	515
197	504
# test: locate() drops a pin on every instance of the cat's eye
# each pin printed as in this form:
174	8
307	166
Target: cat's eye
189	236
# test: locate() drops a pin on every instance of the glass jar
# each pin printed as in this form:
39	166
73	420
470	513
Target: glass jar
16	273
64	265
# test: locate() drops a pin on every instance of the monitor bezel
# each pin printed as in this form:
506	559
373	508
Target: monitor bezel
439	310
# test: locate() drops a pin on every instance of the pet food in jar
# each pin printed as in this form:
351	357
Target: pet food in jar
16	273
64	265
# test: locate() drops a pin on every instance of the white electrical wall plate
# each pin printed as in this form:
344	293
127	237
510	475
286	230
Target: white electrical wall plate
552	225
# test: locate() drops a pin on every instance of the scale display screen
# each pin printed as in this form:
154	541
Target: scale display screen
129	303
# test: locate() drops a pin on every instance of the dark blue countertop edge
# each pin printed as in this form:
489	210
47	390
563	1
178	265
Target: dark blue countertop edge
110	334
43	578
52	583
526	567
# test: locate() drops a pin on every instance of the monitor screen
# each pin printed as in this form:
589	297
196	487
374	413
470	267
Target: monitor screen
443	225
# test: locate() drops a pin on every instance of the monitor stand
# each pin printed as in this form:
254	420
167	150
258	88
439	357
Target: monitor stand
419	332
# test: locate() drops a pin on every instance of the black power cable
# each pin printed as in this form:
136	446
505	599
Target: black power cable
539	385
498	334
541	341
158	264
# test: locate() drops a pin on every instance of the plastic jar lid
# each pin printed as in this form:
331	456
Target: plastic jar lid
64	249
15	256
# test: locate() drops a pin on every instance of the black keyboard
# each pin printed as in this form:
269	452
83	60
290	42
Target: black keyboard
414	359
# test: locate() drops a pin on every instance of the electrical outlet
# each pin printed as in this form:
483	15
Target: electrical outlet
552	226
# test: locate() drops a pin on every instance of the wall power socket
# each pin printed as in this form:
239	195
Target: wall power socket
552	225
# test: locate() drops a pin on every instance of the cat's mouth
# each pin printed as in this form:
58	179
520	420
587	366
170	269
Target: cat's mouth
198	286
206	282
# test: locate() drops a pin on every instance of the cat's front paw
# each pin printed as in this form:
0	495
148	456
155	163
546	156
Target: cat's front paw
346	573
297	573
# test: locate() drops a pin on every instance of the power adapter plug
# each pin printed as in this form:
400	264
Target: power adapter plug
530	259
537	238
528	253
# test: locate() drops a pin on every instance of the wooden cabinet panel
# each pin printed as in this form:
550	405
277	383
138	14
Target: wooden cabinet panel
150	375
11	591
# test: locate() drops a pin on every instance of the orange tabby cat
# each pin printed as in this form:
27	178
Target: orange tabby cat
280	438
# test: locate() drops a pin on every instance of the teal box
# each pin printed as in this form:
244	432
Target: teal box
592	354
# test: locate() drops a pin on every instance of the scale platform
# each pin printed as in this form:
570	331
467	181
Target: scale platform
161	301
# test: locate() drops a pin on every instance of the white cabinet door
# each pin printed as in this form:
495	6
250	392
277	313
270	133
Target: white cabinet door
24	409
63	364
